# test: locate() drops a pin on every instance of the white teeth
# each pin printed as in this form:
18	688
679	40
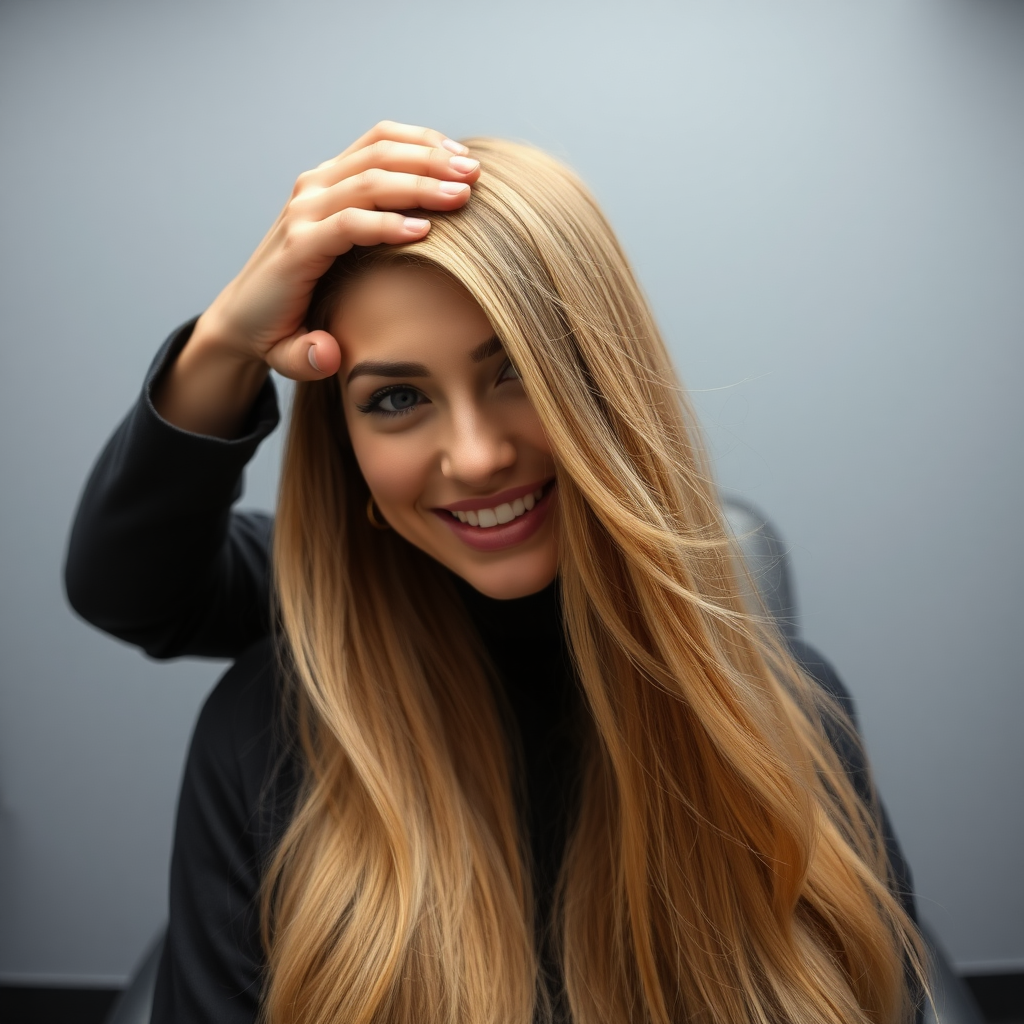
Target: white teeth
504	513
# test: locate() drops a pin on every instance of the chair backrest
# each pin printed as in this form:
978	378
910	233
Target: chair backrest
768	564
136	1003
766	560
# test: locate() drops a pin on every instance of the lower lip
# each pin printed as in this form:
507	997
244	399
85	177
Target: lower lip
506	535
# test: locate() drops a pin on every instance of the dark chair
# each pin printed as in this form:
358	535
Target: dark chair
768	564
135	1006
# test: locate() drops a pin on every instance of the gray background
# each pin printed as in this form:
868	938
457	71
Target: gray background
823	201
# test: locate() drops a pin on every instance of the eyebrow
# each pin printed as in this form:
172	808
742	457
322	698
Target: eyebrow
492	346
369	369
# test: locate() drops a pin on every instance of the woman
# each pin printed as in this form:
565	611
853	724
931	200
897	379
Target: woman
519	749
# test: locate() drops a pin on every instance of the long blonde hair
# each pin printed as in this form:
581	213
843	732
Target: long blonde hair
721	867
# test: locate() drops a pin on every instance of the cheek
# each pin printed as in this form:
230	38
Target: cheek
533	431
396	469
531	440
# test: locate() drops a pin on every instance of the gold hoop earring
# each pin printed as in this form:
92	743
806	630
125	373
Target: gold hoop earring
371	514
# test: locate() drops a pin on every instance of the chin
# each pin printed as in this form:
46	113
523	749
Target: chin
505	581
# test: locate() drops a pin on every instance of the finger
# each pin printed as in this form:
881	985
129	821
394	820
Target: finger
376	189
388	155
306	356
353	226
315	243
399	132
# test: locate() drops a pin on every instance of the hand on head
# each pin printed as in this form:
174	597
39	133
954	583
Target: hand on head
257	321
349	200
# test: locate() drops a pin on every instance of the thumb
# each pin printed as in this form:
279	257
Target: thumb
307	356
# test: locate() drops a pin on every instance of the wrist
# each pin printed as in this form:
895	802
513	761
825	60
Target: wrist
213	341
211	385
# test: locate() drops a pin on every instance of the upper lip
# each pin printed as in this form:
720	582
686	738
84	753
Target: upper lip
494	500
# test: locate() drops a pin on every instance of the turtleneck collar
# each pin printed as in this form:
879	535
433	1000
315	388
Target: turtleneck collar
537	617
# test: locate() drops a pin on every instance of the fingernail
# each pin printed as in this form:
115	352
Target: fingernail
312	358
453	188
454	147
463	164
415	224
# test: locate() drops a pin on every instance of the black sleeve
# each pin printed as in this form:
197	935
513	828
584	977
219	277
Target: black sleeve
156	557
236	797
852	756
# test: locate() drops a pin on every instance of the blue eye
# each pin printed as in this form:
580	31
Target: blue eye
398	400
508	372
392	401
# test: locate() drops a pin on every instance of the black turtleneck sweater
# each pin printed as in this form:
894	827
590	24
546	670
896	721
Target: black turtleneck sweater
158	558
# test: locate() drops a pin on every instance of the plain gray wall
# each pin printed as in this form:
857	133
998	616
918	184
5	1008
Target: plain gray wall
823	199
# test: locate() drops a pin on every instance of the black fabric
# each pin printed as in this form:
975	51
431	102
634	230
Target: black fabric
158	558
155	556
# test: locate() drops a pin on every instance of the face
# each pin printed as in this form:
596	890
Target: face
451	448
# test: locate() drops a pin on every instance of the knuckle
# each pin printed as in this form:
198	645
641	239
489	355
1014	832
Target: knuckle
300	209
298	201
290	214
381	150
291	237
346	222
368	180
390	227
359	183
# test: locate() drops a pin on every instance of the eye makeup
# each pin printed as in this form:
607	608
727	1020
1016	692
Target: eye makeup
394	395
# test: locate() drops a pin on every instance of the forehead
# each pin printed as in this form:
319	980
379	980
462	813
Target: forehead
393	308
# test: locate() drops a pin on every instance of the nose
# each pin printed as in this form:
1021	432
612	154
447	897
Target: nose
477	450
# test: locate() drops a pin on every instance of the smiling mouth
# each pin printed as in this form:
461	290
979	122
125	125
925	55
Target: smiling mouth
506	512
505	524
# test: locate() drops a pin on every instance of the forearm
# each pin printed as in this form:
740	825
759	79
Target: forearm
211	386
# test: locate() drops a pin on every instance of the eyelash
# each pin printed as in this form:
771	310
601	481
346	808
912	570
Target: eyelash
373	405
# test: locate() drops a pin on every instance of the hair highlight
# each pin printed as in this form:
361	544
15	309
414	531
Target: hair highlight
721	866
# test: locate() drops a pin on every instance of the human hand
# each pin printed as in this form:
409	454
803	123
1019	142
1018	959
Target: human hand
346	201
